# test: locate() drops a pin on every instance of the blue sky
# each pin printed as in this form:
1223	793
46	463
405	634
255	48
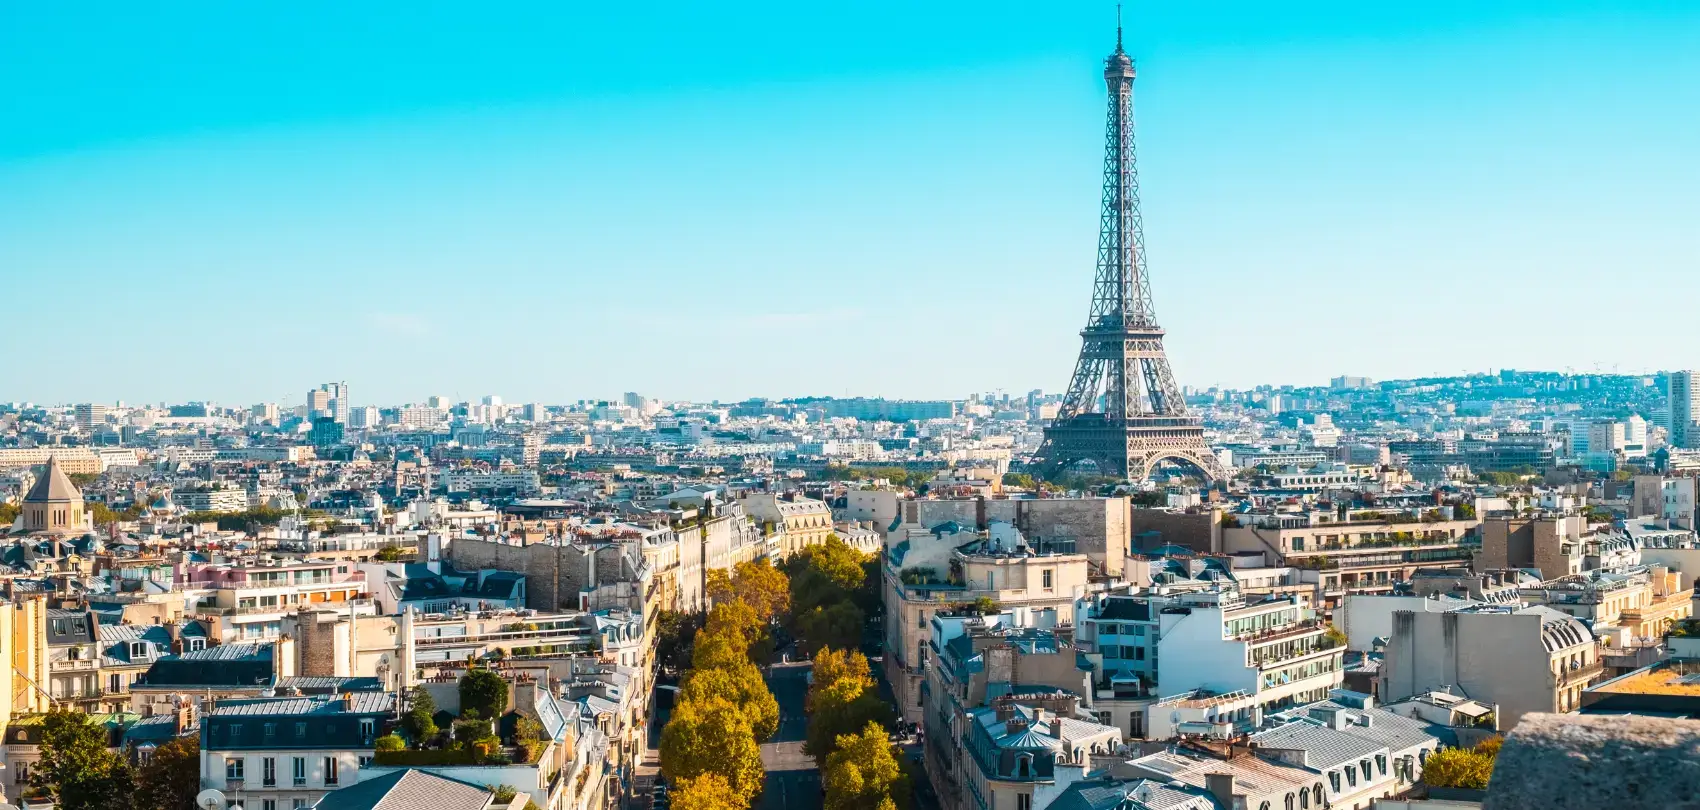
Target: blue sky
549	202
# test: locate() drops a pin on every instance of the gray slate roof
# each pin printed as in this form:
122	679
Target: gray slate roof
1325	748
410	789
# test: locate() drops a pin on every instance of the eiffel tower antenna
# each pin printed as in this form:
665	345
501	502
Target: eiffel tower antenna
1123	411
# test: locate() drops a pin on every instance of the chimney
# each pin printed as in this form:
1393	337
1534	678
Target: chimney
1056	727
348	701
185	717
1015	725
1220	785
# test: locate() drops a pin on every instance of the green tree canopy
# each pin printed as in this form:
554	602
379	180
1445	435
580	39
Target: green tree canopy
484	692
712	736
844	708
419	724
837	625
77	770
172	776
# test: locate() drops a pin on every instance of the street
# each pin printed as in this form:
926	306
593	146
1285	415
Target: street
793	783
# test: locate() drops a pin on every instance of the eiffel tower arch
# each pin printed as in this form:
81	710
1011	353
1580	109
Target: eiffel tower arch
1123	411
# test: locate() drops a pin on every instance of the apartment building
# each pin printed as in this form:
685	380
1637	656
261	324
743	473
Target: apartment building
1358	552
1554	544
256	602
1525	659
1672	499
799	522
286	753
1024	751
928	571
1275	651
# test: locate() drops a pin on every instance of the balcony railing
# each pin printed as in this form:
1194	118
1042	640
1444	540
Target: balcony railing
1581	674
1278	633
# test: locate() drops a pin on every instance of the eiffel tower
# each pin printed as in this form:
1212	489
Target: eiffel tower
1123	410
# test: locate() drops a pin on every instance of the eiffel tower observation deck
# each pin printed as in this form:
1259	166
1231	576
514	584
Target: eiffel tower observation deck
1123	412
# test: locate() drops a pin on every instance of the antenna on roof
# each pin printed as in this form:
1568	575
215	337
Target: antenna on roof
1118	28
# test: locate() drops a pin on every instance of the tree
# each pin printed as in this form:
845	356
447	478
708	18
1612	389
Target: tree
843	708
419	724
832	666
719	586
740	685
736	619
838	625
77	770
9	513
709	791
1458	768
172	777
392	554
716	650
483	692
712	736
863	772
389	742
673	643
764	588
1022	480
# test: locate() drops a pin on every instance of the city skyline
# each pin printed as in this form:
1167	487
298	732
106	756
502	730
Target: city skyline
421	229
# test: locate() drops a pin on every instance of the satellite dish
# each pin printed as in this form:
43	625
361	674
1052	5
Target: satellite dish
210	799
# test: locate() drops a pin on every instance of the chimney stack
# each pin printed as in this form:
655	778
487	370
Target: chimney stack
1220	785
1056	727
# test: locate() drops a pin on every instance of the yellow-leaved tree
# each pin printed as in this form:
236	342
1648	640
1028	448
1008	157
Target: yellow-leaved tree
712	736
710	791
740	684
864	772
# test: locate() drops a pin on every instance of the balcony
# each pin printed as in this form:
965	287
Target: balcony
1283	632
1581	674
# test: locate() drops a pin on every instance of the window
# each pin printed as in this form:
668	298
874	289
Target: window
298	804
365	762
115	683
300	731
138	650
234	730
1023	801
233	768
299	770
196	644
368	729
1381	763
271	730
1111	651
330	770
268	804
1138	653
21	770
1334	781
268	771
1289	804
1108	629
1045	579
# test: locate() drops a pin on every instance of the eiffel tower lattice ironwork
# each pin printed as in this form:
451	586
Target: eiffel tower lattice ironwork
1123	410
